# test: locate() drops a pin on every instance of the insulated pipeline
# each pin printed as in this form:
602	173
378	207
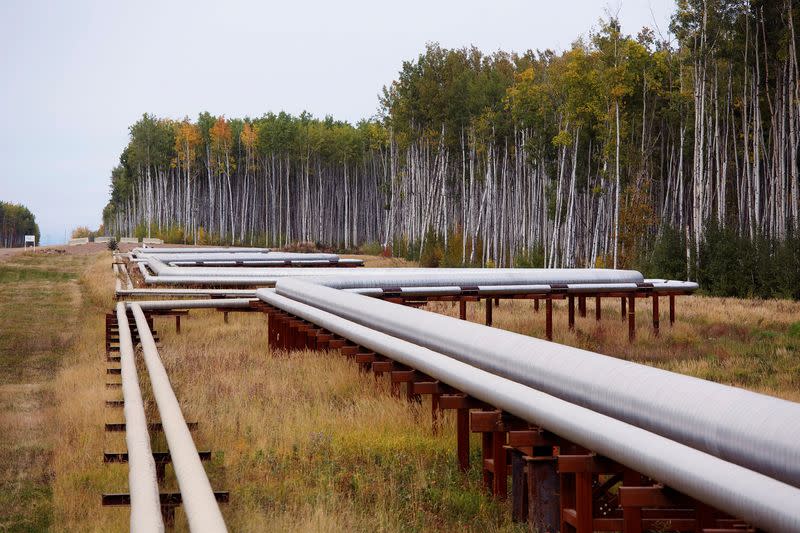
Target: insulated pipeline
756	431
199	503
228	303
142	478
759	499
500	290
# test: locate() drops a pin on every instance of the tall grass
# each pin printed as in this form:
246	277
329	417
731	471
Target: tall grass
303	440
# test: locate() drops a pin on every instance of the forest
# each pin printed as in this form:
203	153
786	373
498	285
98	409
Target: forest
676	154
16	221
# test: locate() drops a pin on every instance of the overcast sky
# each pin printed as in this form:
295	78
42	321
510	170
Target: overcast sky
74	75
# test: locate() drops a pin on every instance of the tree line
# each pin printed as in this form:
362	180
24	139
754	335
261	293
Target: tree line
16	221
620	151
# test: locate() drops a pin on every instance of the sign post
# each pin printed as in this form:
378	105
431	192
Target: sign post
30	239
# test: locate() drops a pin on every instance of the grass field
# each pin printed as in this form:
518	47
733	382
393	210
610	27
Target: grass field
302	440
39	306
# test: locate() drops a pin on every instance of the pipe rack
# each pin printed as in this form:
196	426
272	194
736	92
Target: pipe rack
754	496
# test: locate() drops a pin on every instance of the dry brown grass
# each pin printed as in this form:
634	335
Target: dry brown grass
306	442
79	390
40	300
376	261
303	441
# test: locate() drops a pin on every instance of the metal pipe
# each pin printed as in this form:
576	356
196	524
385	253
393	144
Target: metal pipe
499	290
142	477
239	293
199	503
757	498
198	249
238	256
252	263
753	430
227	303
117	281
398	277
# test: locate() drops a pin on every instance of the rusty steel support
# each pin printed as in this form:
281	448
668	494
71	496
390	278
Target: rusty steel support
462	404
571	312
548	318
582	306
671	309
499	465
519	496
544	509
536	305
462	309
178	324
497	302
598	312
632	317
577	474
656	316
488	311
462	438
489	423
623	307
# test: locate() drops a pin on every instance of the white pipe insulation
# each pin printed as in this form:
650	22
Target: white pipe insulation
142	478
756	431
200	505
755	497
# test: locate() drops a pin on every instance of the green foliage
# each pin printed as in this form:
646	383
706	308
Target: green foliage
668	257
14	274
432	251
371	248
611	100
532	258
733	265
16	221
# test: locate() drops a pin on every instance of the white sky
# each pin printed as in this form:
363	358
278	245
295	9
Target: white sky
74	75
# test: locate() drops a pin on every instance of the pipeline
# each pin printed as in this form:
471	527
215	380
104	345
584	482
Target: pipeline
226	293
383	277
759	499
229	303
200	505
142	478
753	430
500	290
268	262
198	249
237	256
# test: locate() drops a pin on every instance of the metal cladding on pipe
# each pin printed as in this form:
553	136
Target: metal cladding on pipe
765	502
117	281
238	293
198	249
402	277
142	478
271	263
242	256
200	505
753	430
230	303
499	290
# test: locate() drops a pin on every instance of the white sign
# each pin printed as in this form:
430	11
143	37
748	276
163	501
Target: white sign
30	238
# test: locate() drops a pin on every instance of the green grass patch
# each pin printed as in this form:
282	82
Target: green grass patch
13	274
